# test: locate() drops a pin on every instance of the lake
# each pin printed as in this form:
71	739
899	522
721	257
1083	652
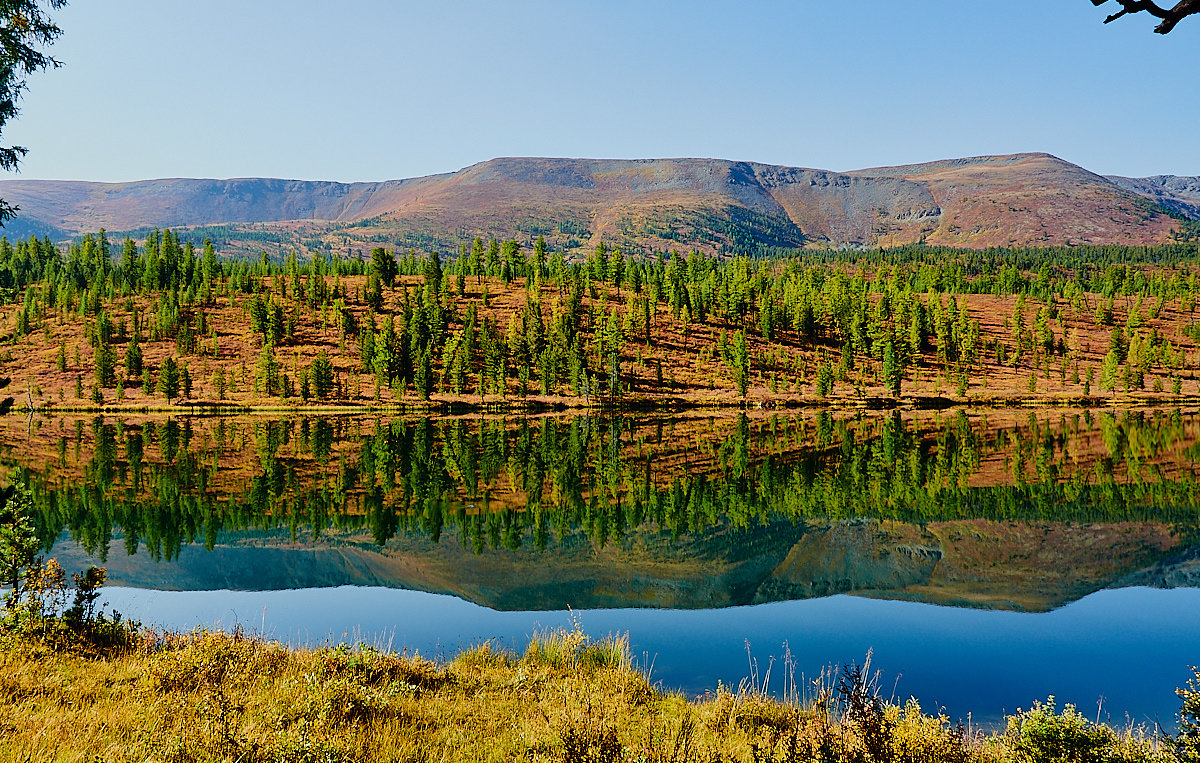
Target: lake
983	559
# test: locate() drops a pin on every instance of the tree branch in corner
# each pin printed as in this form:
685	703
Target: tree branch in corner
1170	17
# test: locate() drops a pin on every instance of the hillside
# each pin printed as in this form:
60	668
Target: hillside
714	205
502	329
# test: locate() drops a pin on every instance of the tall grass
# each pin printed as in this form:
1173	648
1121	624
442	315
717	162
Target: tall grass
573	649
210	696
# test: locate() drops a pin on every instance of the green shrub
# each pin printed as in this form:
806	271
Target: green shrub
370	667
340	700
1187	743
1039	735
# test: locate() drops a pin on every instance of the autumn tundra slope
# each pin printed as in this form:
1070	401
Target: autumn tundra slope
709	204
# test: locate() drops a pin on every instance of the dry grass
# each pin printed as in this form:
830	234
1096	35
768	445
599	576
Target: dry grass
227	697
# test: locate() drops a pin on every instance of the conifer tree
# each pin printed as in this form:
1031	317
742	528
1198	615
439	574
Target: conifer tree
1109	371
825	379
423	375
26	29
539	255
106	362
475	263
616	269
267	372
321	375
492	263
741	363
168	378
383	265
133	358
892	370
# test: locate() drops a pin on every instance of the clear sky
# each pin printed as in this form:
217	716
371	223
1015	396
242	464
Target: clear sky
379	89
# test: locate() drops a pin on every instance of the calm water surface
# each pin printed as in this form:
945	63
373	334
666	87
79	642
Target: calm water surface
1125	648
984	561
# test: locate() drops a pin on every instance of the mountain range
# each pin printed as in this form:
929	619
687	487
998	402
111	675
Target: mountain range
714	205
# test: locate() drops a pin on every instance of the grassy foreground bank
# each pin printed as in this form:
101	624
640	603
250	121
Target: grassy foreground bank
94	690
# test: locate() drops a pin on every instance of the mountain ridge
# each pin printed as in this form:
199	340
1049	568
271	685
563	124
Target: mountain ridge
715	205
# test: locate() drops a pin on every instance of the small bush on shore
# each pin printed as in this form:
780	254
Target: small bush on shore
1041	735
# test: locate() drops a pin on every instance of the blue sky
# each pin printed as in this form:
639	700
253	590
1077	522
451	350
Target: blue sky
374	89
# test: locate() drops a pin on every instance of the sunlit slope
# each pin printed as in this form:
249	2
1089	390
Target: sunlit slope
714	205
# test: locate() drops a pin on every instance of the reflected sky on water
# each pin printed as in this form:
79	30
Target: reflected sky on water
1130	647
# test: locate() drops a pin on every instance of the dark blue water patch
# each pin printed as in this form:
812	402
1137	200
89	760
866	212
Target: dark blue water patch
1117	654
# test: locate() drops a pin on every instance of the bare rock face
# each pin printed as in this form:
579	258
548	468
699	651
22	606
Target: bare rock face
1181	571
714	205
1181	195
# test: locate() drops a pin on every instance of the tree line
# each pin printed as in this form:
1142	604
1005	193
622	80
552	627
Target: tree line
596	325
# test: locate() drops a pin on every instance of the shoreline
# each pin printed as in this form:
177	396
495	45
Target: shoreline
534	406
567	697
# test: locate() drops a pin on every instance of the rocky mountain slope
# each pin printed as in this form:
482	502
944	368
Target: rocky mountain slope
710	204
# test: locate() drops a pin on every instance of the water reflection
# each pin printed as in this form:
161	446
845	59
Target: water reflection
1007	510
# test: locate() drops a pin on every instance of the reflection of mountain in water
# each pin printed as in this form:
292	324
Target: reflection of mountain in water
1045	566
577	512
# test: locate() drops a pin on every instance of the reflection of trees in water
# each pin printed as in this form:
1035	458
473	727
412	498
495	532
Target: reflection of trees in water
502	484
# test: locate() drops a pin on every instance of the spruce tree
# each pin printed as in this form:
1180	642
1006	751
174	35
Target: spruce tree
1116	344
383	265
539	255
321	375
106	362
892	370
168	378
133	358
